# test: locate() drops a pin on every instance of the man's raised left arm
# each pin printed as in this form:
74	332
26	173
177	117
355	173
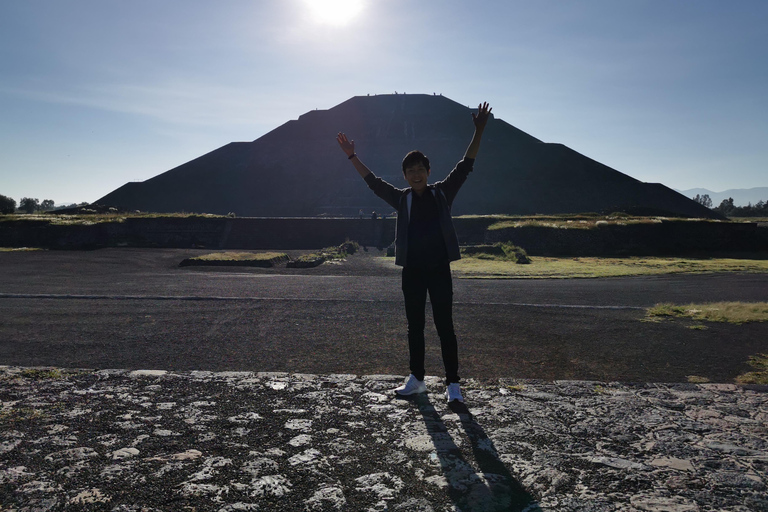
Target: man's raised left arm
480	119
451	184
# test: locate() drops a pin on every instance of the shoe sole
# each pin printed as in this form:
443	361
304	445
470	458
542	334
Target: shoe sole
411	393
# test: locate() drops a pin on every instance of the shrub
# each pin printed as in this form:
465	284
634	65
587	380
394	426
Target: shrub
499	251
7	204
29	204
349	247
515	253
484	251
727	208
329	253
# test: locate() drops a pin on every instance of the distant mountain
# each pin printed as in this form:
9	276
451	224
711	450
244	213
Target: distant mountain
298	170
741	196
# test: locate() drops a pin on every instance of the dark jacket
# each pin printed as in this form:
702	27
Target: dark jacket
444	191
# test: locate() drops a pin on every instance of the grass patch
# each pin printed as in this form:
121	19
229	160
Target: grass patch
89	219
239	256
581	222
696	379
748	219
592	267
760	375
498	252
13	415
730	312
42	374
19	249
316	259
340	252
263	259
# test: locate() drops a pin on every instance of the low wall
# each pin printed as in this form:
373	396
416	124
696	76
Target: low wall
214	233
665	237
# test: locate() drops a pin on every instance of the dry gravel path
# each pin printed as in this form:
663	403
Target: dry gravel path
169	441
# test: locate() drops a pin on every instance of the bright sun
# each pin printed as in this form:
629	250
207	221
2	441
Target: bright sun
334	12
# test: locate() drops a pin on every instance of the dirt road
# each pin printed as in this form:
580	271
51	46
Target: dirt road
135	308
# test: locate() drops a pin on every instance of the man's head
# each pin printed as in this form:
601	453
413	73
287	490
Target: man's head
416	170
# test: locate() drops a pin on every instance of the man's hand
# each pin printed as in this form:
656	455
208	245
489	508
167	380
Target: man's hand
481	118
347	146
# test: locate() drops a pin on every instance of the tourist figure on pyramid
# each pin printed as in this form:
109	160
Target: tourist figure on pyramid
425	244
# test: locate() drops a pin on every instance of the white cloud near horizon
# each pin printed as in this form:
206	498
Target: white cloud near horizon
184	103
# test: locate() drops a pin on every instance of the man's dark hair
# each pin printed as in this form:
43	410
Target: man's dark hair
415	158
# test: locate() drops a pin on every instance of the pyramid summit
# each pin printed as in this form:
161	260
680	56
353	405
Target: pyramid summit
297	169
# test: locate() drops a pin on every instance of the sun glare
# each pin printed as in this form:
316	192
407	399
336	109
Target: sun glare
334	12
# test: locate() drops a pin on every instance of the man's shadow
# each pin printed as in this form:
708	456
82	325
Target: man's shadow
492	487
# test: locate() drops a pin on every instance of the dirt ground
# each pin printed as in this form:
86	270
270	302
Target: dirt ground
136	309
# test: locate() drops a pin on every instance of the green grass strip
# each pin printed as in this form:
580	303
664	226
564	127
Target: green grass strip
760	375
730	312
239	256
263	259
593	267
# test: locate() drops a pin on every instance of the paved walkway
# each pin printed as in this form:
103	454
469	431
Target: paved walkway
198	441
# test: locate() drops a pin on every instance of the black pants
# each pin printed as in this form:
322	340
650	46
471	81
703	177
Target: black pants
437	280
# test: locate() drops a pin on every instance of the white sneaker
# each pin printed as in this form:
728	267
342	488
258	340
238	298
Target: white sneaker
454	393
411	387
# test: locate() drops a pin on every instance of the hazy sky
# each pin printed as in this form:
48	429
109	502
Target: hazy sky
95	93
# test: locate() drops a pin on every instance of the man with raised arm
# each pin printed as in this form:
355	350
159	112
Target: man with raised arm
425	244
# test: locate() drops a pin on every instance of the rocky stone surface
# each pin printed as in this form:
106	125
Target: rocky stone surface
152	440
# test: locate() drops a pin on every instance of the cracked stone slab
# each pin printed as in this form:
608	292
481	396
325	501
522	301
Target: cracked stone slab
229	441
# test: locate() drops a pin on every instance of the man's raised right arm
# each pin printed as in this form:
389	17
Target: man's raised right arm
381	188
348	146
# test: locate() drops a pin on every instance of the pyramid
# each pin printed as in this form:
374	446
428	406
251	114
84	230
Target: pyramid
298	170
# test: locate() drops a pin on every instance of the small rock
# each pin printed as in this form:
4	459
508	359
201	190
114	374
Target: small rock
730	448
124	453
187	455
165	433
737	480
383	485
147	373
300	440
72	454
615	462
272	485
673	463
7	446
660	504
88	497
10	475
239	507
305	457
329	498
260	466
298	424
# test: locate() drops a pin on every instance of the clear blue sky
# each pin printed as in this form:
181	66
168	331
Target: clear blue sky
95	93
